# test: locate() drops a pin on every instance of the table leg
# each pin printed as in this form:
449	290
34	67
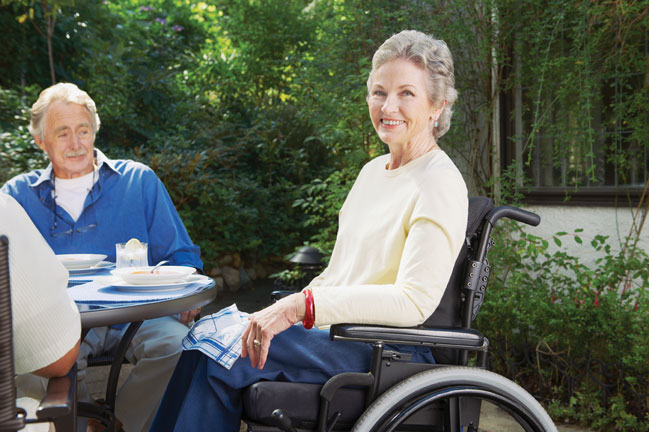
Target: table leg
118	359
104	410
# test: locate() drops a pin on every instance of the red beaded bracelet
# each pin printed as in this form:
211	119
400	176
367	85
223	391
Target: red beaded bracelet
309	314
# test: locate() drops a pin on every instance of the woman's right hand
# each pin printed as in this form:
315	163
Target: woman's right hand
266	323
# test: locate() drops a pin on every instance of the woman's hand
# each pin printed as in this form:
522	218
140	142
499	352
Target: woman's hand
265	324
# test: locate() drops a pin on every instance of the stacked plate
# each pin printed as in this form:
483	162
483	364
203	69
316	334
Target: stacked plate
163	278
79	264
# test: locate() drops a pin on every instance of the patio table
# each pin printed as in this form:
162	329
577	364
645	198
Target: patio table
106	311
101	303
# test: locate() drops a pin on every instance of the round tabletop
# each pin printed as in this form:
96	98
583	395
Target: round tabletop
101	314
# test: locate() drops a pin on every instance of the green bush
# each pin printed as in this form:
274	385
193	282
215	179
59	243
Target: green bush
18	151
321	200
191	91
574	317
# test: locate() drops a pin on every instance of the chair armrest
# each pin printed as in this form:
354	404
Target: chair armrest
60	399
468	339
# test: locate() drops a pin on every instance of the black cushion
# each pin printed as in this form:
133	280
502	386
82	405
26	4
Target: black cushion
300	402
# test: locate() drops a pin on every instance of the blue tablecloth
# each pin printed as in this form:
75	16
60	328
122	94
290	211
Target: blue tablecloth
98	288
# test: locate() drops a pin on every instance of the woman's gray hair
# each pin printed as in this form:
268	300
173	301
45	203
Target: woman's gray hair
433	56
66	92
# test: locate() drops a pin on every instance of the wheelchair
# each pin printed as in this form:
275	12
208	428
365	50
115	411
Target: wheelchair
398	395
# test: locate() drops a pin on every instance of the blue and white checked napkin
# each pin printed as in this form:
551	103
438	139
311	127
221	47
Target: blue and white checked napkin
218	336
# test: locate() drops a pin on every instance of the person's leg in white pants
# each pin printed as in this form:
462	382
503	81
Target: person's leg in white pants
33	386
154	351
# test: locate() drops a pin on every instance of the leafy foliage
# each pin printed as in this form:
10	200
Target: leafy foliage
574	314
189	90
18	153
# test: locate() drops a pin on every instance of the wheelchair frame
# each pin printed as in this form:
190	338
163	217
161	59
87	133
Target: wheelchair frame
410	396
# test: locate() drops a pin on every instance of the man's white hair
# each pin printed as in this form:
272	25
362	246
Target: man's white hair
65	92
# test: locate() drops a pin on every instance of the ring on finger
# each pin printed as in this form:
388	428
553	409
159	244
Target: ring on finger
256	343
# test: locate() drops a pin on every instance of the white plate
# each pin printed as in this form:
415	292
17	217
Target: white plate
124	286
93	269
162	275
79	261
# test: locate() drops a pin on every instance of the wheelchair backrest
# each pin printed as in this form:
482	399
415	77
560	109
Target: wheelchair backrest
449	312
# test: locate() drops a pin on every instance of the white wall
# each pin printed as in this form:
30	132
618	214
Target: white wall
612	222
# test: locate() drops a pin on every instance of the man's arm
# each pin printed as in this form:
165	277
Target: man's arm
62	365
168	237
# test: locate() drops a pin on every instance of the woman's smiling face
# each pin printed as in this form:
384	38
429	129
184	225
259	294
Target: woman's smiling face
400	109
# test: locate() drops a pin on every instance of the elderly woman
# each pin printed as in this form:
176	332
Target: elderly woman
400	230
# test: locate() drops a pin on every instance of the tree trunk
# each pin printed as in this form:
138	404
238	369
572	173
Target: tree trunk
51	56
50	22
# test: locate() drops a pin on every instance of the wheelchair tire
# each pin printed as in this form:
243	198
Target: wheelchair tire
409	396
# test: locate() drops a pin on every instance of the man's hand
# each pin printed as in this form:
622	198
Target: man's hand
188	316
265	324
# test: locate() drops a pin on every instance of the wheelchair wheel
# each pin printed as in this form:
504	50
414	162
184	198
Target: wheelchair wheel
410	396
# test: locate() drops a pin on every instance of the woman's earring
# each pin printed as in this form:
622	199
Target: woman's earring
436	124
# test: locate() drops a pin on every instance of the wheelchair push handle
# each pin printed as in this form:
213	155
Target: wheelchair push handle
514	213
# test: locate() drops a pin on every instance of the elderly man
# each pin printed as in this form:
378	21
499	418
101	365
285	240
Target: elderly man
84	202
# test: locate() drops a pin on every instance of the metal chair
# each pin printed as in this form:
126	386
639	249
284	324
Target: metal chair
397	394
59	403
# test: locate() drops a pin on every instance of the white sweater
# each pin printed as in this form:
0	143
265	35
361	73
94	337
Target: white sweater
45	320
399	234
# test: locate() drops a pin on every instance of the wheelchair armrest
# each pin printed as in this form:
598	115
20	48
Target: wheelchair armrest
60	398
468	339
